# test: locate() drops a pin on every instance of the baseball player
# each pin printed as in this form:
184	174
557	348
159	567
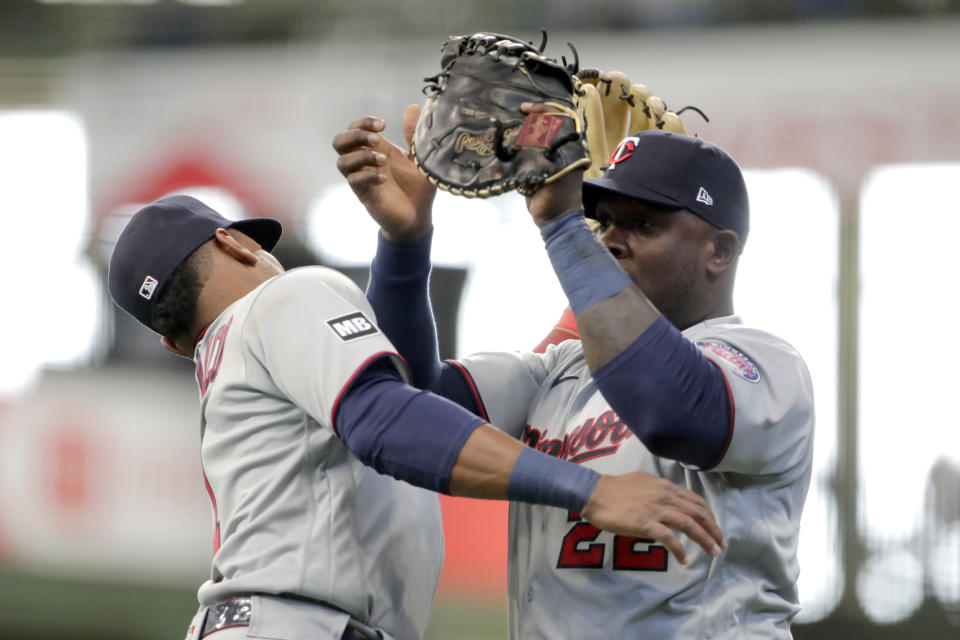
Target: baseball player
665	379
307	427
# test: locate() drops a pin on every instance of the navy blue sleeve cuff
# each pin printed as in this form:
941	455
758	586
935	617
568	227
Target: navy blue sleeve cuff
540	479
587	272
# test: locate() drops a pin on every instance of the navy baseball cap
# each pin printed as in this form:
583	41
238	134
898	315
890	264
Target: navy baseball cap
162	235
676	170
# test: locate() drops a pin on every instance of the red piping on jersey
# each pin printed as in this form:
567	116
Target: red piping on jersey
473	388
216	515
733	415
200	335
346	385
226	626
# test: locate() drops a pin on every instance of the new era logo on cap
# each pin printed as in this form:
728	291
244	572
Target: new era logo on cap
704	197
148	286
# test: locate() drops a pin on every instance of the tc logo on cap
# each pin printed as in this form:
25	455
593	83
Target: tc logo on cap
148	286
624	151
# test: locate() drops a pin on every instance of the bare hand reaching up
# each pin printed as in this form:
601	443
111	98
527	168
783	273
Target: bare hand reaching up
385	178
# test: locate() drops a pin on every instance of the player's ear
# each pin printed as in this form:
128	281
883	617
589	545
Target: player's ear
172	347
725	249
233	248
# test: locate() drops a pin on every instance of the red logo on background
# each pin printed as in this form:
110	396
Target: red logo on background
539	130
72	463
624	151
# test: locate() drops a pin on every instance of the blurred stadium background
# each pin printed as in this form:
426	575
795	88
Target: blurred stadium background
846	114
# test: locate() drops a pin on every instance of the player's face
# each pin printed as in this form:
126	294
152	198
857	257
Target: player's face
663	251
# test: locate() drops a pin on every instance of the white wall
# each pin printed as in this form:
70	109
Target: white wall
837	98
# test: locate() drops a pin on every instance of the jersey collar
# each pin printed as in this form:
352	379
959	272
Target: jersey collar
202	333
710	322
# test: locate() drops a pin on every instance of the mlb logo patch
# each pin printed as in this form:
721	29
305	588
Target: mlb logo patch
352	326
148	287
740	364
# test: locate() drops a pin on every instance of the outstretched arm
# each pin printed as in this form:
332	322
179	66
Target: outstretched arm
398	291
673	398
611	311
421	438
386	180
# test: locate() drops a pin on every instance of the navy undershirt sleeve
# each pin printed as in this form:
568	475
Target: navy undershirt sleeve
671	396
398	291
417	436
400	431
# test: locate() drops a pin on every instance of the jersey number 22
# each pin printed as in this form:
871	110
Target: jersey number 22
579	551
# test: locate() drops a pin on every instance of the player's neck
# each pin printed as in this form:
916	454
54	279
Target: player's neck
719	308
224	287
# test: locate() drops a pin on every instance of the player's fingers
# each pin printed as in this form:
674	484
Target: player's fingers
696	507
670	493
692	529
354	161
363	181
354	139
668	539
690	496
369	123
534	107
409	122
705	519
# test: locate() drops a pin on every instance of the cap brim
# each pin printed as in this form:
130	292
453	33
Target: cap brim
596	188
266	231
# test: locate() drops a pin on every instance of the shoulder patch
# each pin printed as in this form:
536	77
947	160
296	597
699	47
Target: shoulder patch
740	363
352	326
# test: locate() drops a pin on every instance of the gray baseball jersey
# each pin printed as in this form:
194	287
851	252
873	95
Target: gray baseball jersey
567	579
295	511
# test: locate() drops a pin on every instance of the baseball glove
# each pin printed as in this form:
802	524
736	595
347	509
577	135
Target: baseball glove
472	139
614	108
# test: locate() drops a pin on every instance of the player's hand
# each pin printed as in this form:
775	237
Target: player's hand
645	506
385	178
559	197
